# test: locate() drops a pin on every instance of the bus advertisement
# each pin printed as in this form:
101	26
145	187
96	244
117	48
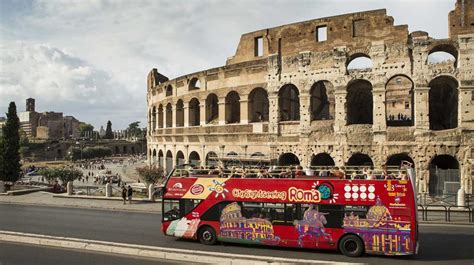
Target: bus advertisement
352	216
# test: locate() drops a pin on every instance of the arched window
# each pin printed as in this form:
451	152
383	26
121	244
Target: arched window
443	102
397	159
212	109
232	107
289	103
169	116
194	158
322	159
180	158
169	90
288	159
359	159
169	161
153	157
179	113
399	102
153	119
194	84
258	105
160	159
212	159
160	116
444	175
322	101
359	102
194	112
443	54
359	62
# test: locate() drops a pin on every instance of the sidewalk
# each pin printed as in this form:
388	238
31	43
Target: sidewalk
50	199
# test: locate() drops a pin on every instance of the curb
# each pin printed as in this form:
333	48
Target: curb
143	251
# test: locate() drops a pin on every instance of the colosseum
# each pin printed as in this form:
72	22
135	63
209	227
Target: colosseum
346	90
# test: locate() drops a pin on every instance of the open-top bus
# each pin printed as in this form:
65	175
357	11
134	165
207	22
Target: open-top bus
354	216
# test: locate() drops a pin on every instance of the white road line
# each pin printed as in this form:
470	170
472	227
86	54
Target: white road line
448	225
151	251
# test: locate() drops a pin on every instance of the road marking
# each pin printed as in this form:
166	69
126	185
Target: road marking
151	251
448	225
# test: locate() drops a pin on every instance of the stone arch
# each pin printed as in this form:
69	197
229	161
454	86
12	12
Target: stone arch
322	159
153	119
169	90
443	53
232	107
153	156
443	103
180	113
288	159
360	159
180	158
194	112
161	158
289	103
396	159
359	102
160	116
211	159
444	175
359	61
194	84
212	108
169	161
258	105
399	101
322	101
194	158
169	116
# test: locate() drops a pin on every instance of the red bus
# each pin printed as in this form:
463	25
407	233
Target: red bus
353	216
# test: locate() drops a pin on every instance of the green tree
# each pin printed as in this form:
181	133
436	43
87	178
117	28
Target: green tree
108	131
63	174
10	166
85	127
134	129
150	174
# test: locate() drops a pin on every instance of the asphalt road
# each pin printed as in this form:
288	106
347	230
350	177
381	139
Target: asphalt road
18	254
440	244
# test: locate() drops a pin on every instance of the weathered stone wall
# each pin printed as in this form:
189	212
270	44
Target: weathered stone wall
315	103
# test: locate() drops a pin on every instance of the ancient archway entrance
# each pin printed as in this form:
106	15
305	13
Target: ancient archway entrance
194	159
288	159
444	175
258	105
443	101
169	161
359	102
360	159
180	158
322	159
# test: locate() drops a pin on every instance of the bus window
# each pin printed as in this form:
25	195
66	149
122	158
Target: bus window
253	210
334	215
175	209
356	210
276	212
290	213
214	212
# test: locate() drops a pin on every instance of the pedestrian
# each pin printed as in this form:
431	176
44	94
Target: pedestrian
124	194
129	194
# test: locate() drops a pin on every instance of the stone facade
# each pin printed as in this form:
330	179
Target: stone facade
291	96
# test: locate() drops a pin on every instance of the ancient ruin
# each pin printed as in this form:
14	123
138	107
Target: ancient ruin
353	89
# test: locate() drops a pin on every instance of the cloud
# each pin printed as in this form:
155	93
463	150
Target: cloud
60	81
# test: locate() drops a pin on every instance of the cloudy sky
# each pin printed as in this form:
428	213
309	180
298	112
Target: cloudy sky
90	59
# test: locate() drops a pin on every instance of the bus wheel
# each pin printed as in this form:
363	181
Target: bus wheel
351	246
207	235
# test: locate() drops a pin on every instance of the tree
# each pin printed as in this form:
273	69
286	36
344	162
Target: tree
63	174
134	129
108	131
150	174
10	166
85	127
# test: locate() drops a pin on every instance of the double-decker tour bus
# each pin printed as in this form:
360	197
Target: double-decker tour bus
354	216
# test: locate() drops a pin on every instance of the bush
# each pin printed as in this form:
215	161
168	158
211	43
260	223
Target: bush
76	153
63	174
150	174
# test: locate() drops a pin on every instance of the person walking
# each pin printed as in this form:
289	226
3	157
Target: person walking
129	194
124	194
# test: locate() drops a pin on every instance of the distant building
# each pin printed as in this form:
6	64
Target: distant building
47	125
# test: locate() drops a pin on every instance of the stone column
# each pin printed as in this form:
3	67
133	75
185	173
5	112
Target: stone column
305	117
422	121
186	114
379	126
340	121
274	112
465	112
221	106
244	111
173	116
202	112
